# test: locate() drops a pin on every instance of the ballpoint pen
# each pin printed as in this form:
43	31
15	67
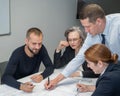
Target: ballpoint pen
78	89
48	80
77	92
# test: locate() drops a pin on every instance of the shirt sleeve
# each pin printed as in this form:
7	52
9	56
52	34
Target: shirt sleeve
7	77
61	60
47	63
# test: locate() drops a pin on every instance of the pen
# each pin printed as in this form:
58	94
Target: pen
77	89
77	92
48	80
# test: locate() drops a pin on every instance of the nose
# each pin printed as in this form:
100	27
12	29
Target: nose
72	41
38	46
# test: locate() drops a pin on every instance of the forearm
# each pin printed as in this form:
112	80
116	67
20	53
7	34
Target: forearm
86	88
57	61
91	88
59	78
10	81
48	71
61	60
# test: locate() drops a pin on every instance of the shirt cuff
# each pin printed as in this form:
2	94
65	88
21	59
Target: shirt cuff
81	75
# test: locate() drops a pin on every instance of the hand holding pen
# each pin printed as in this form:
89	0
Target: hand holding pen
77	92
50	84
48	80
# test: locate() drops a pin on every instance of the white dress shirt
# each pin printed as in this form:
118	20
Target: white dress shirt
112	37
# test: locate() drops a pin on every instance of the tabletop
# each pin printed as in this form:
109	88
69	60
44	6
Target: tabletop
66	87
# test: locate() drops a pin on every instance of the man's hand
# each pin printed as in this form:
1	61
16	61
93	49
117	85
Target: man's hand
51	84
27	87
37	78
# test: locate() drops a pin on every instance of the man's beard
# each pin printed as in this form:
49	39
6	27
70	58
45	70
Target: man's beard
32	51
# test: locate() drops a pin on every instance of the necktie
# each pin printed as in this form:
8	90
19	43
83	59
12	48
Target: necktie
103	38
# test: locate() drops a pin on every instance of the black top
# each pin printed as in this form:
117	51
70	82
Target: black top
21	65
61	60
108	84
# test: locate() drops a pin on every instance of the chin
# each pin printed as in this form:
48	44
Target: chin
74	48
96	72
36	52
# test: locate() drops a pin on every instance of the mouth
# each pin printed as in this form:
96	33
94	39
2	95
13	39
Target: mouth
36	50
73	45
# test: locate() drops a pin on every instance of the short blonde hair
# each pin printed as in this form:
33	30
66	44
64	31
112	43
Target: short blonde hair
34	30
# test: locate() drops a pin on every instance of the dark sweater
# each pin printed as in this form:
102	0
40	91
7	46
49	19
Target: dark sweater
61	60
20	65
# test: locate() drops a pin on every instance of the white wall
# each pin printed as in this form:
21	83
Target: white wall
53	17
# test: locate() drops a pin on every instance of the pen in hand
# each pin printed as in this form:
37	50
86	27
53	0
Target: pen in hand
48	80
77	92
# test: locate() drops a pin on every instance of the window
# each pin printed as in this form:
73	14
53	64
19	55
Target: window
4	17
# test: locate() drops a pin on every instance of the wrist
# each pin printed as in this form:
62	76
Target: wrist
58	50
41	76
80	74
21	86
59	78
91	88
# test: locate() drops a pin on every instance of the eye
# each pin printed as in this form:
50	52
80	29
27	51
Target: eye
74	39
33	43
39	44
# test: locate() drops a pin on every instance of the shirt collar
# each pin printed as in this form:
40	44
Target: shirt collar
106	30
103	71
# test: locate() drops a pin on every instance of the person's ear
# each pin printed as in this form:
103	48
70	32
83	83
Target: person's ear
98	21
100	64
26	41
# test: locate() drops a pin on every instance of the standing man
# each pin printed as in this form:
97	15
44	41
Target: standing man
26	60
93	19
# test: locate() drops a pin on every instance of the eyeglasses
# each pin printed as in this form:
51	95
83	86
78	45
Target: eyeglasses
73	40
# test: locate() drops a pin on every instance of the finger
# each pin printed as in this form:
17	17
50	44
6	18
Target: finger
48	86
30	87
28	83
32	77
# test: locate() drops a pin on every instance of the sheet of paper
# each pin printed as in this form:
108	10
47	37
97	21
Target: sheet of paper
66	87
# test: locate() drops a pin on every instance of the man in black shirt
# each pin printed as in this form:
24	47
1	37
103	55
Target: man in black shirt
26	60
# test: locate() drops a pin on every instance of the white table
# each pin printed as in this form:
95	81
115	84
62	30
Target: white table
67	87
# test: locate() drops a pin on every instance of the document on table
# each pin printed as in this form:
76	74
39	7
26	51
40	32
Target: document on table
66	87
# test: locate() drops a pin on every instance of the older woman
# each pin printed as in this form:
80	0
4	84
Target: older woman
74	40
102	61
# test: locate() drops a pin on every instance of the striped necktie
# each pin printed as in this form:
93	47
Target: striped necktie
103	38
